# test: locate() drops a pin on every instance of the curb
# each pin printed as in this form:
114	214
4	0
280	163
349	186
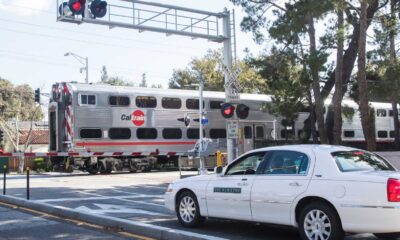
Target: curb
143	229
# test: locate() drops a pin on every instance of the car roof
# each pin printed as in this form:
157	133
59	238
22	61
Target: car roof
312	147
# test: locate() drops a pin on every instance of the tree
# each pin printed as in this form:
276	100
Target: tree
286	80
114	80
210	68
143	83
17	100
290	25
366	120
338	95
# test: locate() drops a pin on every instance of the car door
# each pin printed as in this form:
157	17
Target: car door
285	175
228	196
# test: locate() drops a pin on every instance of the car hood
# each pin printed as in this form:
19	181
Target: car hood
373	176
205	177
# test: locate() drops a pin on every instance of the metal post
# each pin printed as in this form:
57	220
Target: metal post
202	169
4	179
230	143
27	183
87	69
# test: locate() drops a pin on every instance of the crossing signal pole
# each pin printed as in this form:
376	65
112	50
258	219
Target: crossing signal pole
162	18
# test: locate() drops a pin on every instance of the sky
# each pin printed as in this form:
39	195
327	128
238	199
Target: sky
33	44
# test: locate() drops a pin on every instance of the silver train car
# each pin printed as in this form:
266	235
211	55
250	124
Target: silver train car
113	128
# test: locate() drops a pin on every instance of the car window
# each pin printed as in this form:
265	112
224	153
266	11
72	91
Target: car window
350	161
287	162
246	165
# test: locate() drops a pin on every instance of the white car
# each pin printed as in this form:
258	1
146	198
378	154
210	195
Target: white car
322	190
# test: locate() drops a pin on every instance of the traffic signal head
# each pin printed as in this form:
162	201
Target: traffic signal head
37	95
98	8
227	110
242	111
1	136
77	6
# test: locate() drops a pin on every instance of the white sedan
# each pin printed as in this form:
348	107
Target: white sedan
322	190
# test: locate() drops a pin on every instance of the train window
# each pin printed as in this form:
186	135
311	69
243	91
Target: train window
146	102
348	134
193	103
287	133
119	133
382	134
260	132
146	133
216	104
194	133
119	101
217	133
391	134
88	99
380	112
171	103
172	133
248	133
90	133
391	113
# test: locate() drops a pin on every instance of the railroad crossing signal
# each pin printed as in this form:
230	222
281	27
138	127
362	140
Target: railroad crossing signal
98	8
228	109
37	95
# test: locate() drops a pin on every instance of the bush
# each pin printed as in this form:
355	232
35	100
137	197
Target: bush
39	163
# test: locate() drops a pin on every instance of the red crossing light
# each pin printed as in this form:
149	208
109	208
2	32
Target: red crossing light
242	111
227	110
77	7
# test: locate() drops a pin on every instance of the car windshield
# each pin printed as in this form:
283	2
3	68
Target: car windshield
350	161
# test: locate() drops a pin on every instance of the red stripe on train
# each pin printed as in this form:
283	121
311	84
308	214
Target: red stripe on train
87	144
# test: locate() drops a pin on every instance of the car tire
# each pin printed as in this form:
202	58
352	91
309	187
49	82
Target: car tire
319	218
188	211
388	236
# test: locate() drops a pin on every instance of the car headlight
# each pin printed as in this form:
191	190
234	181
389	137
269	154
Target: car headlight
169	188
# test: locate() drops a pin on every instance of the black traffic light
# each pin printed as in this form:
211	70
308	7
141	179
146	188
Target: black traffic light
242	111
98	8
1	136
227	110
37	95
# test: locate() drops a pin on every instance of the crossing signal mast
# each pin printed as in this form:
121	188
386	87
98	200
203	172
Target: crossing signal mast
163	18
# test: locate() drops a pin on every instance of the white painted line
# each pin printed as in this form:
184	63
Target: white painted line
99	197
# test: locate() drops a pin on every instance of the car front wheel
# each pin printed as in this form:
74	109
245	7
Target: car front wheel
388	236
187	210
318	221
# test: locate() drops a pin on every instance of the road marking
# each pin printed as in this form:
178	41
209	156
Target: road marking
111	208
100	197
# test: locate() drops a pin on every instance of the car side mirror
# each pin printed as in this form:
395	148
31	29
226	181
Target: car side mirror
219	170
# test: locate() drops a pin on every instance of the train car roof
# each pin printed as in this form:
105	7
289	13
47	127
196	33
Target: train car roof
97	87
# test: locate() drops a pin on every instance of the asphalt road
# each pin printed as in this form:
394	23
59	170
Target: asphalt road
138	197
22	224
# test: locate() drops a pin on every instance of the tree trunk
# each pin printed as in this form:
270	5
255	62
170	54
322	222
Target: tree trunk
319	102
338	95
393	31
366	121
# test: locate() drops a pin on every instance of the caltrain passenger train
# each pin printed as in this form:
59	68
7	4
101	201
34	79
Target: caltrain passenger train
114	127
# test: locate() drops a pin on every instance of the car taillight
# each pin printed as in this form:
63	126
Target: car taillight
393	190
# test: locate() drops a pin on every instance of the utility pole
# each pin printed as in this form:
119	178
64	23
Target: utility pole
202	169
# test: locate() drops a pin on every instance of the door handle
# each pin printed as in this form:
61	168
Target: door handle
295	184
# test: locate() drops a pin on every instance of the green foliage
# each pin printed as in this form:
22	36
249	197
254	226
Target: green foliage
113	80
287	81
12	97
210	69
39	164
348	112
